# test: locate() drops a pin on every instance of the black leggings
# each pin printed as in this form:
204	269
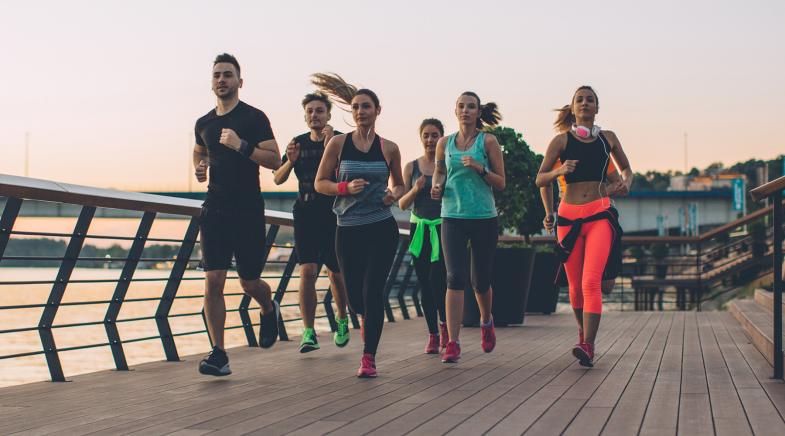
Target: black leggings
365	255
432	279
483	235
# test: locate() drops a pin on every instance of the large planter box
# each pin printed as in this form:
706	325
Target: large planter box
512	274
543	292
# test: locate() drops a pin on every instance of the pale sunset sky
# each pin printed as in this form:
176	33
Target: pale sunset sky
109	91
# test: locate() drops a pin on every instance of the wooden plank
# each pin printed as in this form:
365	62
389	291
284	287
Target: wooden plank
662	413
694	404
726	409
532	397
763	403
621	359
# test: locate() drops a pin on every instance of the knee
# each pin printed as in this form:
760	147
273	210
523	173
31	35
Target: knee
456	281
249	286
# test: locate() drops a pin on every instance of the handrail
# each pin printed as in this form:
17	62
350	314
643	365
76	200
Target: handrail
767	189
18	190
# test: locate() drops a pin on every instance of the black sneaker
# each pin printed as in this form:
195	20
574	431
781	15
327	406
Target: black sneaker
216	363
268	330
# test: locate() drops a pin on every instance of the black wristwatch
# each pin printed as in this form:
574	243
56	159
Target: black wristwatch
485	171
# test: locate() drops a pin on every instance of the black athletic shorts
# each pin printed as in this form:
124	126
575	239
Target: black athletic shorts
314	235
233	233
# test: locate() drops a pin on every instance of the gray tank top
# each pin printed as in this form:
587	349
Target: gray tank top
424	206
367	206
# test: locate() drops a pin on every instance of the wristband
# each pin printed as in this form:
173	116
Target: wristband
343	188
246	149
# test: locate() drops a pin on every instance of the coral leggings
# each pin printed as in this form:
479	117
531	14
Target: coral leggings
586	263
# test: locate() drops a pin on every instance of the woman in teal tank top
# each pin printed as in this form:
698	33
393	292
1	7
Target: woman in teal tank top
469	165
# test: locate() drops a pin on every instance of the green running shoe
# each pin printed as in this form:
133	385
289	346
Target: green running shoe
309	341
341	336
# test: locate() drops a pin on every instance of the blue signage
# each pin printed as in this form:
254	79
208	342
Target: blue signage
738	194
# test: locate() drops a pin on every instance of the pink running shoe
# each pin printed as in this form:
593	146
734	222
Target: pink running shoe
452	352
488	337
433	344
585	354
444	335
367	366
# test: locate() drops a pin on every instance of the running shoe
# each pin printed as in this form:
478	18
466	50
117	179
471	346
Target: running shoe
341	336
444	335
488	333
585	354
268	331
216	363
367	366
452	352
309	342
433	344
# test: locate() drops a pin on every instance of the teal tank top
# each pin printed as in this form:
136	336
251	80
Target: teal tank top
466	195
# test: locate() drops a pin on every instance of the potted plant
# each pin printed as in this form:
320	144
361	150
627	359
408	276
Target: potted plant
520	212
544	291
659	252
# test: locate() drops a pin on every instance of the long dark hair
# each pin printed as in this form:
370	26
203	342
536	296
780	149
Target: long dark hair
339	90
565	118
489	112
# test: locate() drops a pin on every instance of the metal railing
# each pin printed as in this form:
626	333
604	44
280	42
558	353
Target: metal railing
773	191
19	190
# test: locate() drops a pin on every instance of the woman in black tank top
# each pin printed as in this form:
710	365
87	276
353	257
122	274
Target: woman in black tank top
585	152
425	233
367	235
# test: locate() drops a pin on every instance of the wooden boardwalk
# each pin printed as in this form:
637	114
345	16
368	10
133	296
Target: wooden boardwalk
656	373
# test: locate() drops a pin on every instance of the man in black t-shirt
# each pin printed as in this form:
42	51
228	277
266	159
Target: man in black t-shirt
314	220
232	141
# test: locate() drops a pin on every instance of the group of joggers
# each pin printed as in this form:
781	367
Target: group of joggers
347	184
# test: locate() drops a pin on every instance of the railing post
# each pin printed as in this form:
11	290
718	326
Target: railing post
281	291
58	290
10	212
778	284
170	291
113	311
403	287
245	301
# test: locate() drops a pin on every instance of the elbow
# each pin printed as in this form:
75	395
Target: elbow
502	185
321	187
540	181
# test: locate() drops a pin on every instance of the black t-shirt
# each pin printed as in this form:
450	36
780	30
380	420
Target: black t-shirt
305	168
234	179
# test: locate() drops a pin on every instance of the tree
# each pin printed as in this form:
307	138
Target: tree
519	205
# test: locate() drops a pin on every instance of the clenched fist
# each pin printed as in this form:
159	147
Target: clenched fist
230	139
356	186
293	151
201	171
567	167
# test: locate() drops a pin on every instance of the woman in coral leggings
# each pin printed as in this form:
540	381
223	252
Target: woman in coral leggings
587	226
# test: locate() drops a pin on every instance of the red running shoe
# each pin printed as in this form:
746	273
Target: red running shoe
585	354
367	366
433	344
488	337
452	352
444	335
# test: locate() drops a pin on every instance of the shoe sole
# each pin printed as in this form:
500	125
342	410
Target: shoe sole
214	370
432	352
583	358
450	360
308	348
277	309
363	375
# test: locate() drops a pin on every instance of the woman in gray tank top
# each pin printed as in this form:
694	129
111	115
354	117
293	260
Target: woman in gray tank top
369	182
425	232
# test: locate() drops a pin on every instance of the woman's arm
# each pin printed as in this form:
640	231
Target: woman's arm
411	190
547	175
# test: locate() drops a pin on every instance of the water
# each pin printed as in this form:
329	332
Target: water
34	368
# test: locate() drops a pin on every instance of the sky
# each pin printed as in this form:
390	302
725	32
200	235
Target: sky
107	92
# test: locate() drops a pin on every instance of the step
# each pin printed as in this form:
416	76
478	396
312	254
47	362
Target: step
766	299
758	323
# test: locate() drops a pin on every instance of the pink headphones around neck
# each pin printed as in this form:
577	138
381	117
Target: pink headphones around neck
585	132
